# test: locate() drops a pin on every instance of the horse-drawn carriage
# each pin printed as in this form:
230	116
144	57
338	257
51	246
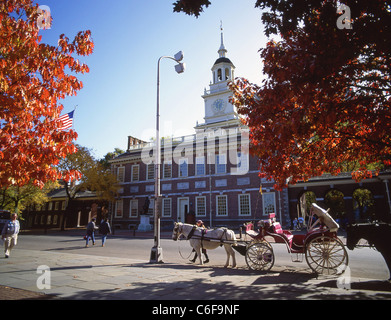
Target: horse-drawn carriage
323	250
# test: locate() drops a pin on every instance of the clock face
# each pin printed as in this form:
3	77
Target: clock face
218	105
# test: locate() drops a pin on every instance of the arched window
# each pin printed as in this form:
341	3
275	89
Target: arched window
334	200
363	205
219	75
227	75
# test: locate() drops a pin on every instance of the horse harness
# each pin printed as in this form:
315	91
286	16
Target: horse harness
191	233
203	233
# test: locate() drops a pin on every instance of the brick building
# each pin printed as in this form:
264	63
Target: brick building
79	212
211	176
208	175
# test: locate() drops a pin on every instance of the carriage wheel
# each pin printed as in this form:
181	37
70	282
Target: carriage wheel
326	255
260	256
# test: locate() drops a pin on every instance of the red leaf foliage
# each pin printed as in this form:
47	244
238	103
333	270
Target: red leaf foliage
325	104
32	81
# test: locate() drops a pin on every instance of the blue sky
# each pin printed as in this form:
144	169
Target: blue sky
119	94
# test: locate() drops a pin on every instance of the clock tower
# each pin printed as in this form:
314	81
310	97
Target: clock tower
219	113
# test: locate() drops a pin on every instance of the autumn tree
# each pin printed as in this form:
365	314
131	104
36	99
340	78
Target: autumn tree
94	177
33	80
191	7
325	102
16	199
109	156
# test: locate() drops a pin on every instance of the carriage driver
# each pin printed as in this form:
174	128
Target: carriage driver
201	225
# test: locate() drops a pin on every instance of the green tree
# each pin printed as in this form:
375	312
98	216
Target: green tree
334	200
16	199
191	7
109	156
94	176
364	202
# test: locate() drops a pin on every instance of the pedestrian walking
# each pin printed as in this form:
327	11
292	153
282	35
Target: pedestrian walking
104	230
91	227
10	234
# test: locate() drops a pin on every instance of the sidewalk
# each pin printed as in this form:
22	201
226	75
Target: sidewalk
86	277
164	234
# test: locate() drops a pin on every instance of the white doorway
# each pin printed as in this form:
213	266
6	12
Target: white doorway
183	208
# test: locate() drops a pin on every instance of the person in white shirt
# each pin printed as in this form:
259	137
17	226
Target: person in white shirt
10	234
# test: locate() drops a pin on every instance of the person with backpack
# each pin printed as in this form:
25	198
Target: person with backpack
104	230
10	234
91	227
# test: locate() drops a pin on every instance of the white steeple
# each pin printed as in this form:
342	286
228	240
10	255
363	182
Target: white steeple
223	68
222	51
219	112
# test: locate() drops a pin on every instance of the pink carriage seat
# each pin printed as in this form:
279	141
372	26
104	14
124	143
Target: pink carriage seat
249	229
285	234
249	226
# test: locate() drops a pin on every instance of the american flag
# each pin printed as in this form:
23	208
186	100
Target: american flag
66	121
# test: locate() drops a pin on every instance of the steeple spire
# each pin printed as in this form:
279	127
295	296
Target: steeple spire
222	51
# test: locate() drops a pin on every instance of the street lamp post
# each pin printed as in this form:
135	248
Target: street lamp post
157	251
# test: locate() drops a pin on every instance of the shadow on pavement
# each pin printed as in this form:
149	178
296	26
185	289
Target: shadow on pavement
285	285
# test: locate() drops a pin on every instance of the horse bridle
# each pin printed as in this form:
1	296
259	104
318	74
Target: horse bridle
178	230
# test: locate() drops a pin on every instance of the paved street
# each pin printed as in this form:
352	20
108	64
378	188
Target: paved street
124	272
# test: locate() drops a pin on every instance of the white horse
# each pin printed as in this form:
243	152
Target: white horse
200	239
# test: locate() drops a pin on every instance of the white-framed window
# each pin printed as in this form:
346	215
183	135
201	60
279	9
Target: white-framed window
50	206
221	163
269	202
166	207
200	206
150	171
167	169
63	205
133	209
183	167
200	166
118	209
135	172
121	174
56	205
244	205
221	205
